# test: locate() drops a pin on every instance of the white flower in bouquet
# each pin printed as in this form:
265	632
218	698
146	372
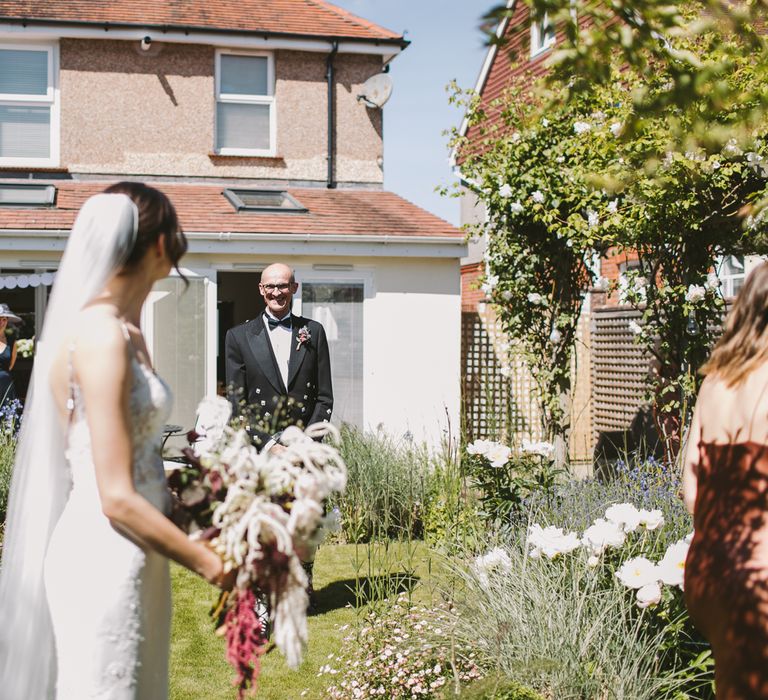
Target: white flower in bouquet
649	595
551	541
637	572
25	346
625	515
695	293
603	534
213	416
651	519
498	455
672	564
493	563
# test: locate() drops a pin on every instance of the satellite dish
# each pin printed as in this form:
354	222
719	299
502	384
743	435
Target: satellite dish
376	91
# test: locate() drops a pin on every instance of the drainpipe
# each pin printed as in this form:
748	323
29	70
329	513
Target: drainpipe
331	184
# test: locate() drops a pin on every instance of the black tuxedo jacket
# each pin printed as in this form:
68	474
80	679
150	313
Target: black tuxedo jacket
253	377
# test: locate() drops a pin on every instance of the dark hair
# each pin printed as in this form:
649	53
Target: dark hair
744	343
157	217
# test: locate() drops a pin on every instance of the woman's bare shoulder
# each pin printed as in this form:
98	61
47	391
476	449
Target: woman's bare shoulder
96	329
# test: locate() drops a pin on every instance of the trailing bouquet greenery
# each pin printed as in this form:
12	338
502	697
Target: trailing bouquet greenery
261	513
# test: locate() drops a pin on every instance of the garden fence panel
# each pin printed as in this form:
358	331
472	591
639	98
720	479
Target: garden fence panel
619	371
499	395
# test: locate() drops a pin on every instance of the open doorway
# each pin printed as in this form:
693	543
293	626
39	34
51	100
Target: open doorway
238	301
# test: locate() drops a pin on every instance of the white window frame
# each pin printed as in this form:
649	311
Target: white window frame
51	98
541	39
268	99
727	280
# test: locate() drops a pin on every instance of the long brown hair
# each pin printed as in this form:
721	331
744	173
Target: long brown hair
744	343
157	217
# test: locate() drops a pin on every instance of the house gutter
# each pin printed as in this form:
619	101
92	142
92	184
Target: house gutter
83	29
331	126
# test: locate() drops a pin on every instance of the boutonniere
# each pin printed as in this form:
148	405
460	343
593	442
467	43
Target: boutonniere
303	336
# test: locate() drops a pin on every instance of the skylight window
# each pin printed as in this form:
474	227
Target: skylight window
263	200
22	195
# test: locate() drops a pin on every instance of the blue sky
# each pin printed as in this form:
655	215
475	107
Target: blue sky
446	44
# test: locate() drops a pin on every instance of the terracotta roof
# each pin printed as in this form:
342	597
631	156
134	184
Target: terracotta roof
295	17
203	208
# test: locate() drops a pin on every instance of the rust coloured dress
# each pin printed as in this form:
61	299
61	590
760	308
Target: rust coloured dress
726	572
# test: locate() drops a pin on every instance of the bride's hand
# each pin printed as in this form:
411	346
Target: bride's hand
215	573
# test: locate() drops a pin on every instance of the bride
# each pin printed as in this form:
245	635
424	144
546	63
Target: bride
84	586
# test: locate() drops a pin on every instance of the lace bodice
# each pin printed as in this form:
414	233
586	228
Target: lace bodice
149	408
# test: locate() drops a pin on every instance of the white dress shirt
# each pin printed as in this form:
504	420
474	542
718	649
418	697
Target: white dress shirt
280	338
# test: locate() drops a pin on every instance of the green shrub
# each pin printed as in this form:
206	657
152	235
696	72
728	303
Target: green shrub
7	454
387	487
496	689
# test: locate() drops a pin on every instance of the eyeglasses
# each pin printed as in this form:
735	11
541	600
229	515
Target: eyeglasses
284	287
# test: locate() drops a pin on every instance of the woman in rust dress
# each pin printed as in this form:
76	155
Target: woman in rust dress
725	485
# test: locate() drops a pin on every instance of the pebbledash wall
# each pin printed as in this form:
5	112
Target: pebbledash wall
124	110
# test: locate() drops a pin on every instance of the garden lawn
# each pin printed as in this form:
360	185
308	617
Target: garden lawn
198	667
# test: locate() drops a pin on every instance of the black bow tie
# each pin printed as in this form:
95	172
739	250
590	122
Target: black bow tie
285	322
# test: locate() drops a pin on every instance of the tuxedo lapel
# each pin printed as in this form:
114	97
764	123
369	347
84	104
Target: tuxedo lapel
298	350
262	351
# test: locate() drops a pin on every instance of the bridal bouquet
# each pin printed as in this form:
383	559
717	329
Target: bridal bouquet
262	513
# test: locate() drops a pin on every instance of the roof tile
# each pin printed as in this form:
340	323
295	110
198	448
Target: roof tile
203	208
303	17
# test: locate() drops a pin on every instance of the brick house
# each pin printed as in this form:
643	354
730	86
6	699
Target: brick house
247	115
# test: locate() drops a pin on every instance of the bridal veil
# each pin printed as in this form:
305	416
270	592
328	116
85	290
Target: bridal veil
101	240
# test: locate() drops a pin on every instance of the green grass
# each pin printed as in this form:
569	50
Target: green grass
198	669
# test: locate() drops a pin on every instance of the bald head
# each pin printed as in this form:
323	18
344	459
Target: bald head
277	287
278	270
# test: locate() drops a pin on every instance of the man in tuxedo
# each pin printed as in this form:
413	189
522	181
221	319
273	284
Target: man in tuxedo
278	369
277	365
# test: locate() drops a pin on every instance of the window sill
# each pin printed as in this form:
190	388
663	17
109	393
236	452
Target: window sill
242	157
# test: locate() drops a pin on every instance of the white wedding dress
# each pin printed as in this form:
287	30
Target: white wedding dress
109	598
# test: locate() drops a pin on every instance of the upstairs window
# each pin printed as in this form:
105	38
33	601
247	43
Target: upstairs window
542	35
28	106
245	104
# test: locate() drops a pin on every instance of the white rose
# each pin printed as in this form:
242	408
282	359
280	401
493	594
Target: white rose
592	219
550	541
515	138
713	281
672	564
479	447
649	595
637	572
615	128
613	206
695	293
635	328
602	534
535	298
505	191
538	197
506	295
652	519
625	515
581	127
498	455
516	207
